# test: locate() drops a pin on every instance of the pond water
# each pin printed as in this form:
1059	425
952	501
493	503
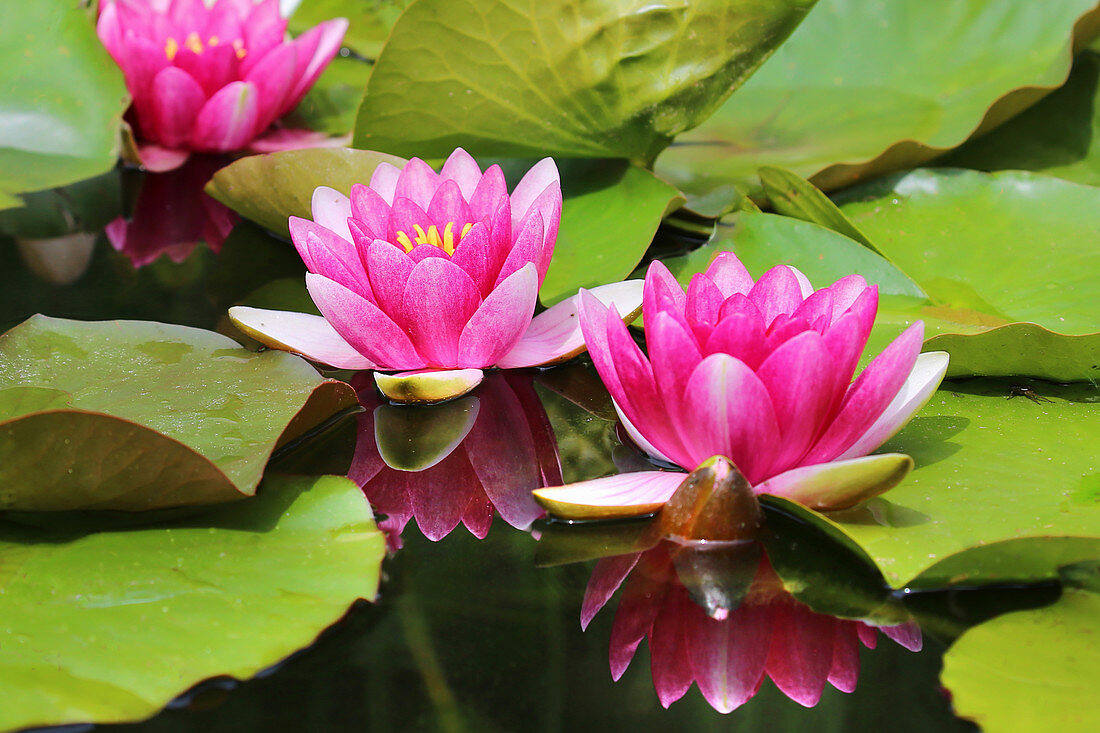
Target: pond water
485	634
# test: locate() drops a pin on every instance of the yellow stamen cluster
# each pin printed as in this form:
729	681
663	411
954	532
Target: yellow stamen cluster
194	44
445	242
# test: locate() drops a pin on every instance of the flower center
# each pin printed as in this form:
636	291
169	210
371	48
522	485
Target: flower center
445	242
195	44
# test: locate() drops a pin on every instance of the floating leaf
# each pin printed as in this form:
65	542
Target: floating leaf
270	188
1030	670
145	415
1013	481
915	78
996	253
63	97
602	79
110	626
1059	136
792	195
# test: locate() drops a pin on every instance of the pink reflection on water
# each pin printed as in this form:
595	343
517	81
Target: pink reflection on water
729	653
172	215
462	461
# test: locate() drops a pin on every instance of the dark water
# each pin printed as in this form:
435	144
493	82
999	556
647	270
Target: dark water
467	634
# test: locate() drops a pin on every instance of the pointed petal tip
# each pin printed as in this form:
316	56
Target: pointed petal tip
612	497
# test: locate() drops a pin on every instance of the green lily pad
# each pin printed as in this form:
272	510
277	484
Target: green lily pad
762	241
610	214
602	79
1010	480
63	97
915	78
1059	136
270	188
1009	255
792	195
133	415
1030	670
369	21
110	626
612	208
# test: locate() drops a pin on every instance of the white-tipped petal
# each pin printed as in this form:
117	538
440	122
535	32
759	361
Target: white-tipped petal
923	381
622	495
301	333
331	209
555	334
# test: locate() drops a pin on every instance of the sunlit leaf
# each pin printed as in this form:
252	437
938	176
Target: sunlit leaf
599	79
1011	480
1059	136
1030	670
108	626
61	97
867	86
996	254
145	415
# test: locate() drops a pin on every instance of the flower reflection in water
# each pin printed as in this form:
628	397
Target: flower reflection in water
172	215
754	627
455	462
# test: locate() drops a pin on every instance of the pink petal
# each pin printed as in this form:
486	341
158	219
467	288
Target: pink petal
555	334
490	193
839	484
474	255
729	274
369	331
868	635
846	291
500	320
177	99
157	159
370	210
405	216
608	574
674	356
801	652
263	30
920	385
741	336
273	77
417	182
388	269
301	333
327	254
704	300
776	292
539	178
463	170
799	379
447	206
641	602
638	439
847	335
622	495
870	395
213	67
331	34
733	416
109	30
526	248
384	181
548	205
228	119
662	291
803	282
332	209
438	302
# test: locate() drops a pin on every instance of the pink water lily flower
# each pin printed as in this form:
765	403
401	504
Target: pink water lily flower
434	276
761	373
212	78
729	653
